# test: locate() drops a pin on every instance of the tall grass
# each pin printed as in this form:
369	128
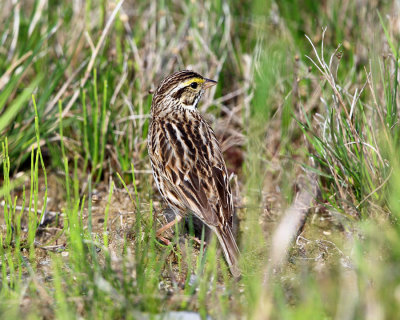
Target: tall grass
306	104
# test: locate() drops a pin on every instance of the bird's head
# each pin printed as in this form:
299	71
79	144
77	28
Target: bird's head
182	89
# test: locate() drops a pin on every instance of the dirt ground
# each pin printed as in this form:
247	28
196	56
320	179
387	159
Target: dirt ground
319	225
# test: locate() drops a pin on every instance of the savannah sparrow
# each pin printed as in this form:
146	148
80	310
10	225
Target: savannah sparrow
186	159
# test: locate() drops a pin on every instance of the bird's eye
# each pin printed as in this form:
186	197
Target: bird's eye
193	85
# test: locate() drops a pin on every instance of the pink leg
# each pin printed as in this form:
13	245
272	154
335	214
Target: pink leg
167	226
165	240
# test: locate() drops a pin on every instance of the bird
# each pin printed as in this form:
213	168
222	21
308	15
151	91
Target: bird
187	161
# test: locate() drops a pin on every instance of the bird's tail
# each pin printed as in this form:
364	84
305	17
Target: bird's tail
230	248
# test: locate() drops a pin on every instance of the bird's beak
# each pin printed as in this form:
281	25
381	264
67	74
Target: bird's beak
209	83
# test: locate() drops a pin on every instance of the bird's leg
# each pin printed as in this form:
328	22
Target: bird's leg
164	240
199	241
167	226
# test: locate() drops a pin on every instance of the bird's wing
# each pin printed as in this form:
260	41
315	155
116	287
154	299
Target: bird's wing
193	172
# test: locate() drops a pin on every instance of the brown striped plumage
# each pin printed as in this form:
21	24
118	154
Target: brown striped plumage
186	158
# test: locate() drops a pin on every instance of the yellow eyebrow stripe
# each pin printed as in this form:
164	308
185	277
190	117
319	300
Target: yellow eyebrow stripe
188	82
